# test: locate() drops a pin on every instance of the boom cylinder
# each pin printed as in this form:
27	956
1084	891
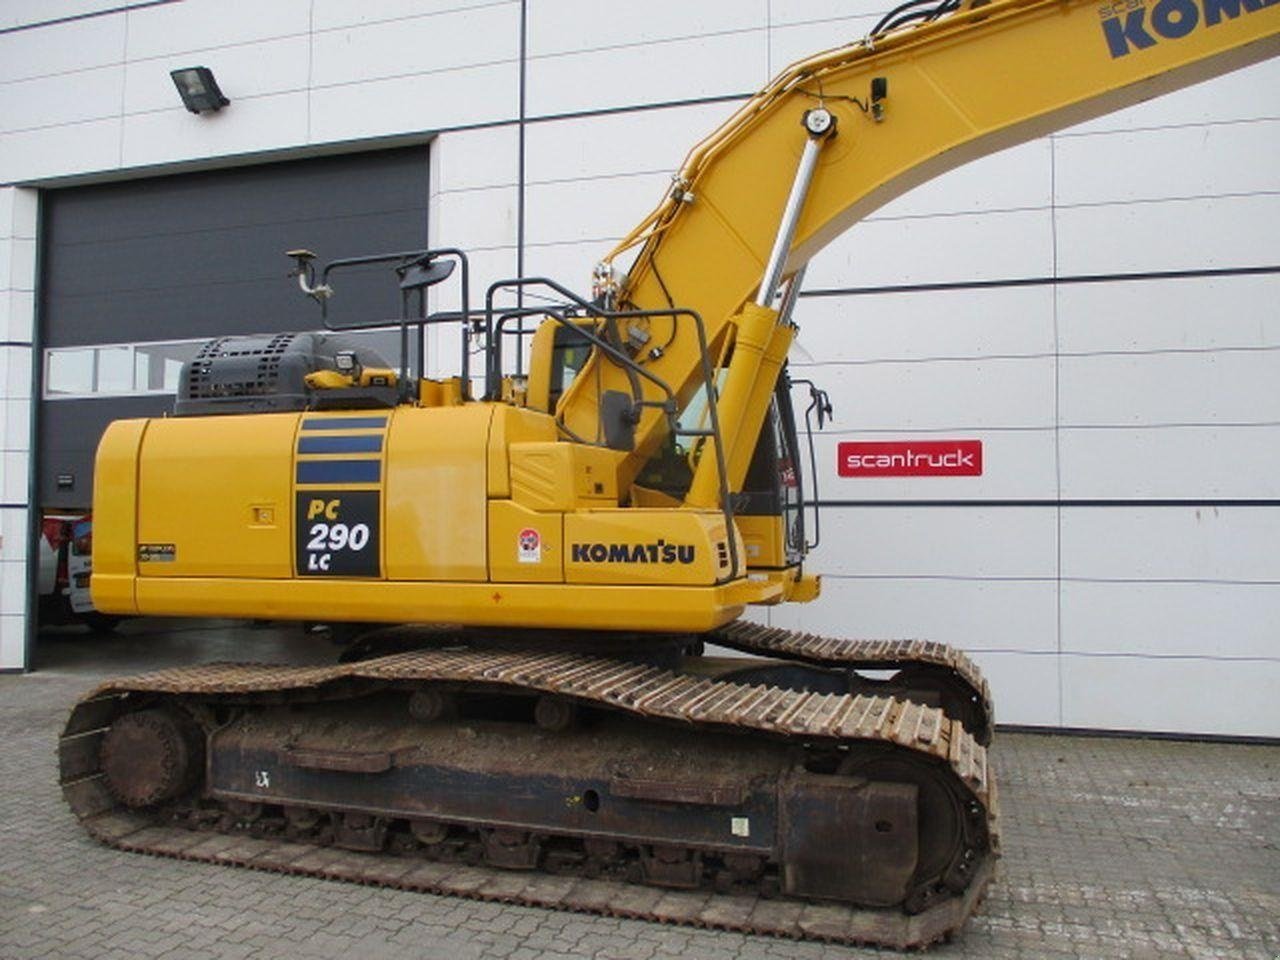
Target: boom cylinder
821	126
758	346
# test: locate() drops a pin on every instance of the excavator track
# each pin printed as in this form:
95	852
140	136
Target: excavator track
110	729
933	664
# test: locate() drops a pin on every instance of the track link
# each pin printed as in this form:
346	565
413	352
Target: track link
636	689
947	665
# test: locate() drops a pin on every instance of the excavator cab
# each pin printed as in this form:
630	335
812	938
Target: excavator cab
558	353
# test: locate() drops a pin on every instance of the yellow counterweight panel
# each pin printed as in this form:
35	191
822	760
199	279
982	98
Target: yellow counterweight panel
215	498
115	510
675	547
525	546
436	493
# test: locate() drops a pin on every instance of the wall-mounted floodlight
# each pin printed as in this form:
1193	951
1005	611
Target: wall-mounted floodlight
199	90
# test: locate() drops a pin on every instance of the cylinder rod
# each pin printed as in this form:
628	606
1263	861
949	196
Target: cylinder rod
820	126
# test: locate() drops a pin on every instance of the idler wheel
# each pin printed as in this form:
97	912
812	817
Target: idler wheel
429	705
151	756
555	713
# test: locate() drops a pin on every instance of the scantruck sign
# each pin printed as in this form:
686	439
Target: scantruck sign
910	458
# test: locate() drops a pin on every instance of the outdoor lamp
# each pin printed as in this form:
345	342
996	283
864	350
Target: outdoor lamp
199	89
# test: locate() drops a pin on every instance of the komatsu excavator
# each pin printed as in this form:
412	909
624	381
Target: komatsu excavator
576	533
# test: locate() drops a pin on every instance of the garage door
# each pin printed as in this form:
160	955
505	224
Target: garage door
135	274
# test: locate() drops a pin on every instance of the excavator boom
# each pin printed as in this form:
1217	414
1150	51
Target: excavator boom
908	103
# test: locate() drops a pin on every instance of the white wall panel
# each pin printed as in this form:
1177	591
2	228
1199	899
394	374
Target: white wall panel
331	14
602	208
1169	235
467	159
1224	386
1213	160
1026	687
1191	313
13	586
1016	465
22	263
569	26
60	98
958	542
417	45
1246	94
943	394
569	264
486	267
1172	619
33	155
792	42
725	64
1172	543
16	423
477	219
9	435
16	13
1197	696
61	48
992	246
13	534
783	12
17	314
243	72
14	468
198	27
635	142
12	641
25	214
422	102
15	372
260	123
1021	177
993	616
1000	321
1171	463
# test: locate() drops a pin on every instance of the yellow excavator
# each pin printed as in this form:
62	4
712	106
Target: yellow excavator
534	561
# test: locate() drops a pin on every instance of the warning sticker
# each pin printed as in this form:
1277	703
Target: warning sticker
529	546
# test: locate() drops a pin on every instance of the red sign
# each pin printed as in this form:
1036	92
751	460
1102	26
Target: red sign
910	458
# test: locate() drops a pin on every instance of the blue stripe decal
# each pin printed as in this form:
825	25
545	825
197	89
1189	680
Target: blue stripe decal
339	471
346	423
366	444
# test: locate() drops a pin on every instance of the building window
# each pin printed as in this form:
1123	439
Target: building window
155	367
117	369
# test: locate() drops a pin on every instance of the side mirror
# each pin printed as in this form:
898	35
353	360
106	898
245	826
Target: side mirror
425	272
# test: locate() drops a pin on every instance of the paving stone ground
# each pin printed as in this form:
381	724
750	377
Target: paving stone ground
1113	848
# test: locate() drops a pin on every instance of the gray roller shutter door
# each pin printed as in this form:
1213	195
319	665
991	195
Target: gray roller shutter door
201	255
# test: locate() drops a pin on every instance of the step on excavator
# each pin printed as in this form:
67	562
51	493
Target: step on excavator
533	557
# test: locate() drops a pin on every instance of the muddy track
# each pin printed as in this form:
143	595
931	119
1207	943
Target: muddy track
918	733
945	663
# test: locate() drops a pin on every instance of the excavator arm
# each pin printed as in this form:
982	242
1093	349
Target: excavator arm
905	105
